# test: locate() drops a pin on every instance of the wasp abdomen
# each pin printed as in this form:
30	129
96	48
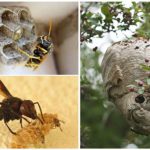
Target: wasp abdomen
38	52
10	109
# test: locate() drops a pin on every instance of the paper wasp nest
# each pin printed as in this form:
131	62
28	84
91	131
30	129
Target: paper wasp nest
121	66
17	29
33	135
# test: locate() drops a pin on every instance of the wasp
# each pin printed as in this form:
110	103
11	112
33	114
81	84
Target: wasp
14	108
44	46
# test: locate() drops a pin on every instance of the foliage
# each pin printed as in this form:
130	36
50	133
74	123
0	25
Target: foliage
100	119
144	30
96	24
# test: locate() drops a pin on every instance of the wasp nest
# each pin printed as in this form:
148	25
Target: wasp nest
17	29
34	133
121	66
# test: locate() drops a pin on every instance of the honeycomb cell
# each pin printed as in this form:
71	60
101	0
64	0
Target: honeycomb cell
7	17
10	54
24	16
18	33
28	48
10	51
28	33
33	30
17	29
5	33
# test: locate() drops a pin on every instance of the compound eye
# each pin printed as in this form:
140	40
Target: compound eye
139	99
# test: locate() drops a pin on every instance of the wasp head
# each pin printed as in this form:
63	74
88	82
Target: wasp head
46	43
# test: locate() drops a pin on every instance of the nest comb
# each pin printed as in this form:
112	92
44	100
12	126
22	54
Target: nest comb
17	29
33	135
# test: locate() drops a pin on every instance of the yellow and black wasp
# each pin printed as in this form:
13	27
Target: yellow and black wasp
44	46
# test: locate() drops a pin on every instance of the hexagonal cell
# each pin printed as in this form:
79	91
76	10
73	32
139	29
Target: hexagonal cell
17	27
10	51
18	33
26	51
5	33
28	48
9	18
33	30
29	33
24	16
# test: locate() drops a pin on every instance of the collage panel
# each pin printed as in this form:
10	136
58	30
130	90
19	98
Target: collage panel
39	112
38	38
39	74
115	74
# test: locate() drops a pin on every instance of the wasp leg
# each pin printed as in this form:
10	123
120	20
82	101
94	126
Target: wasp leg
21	123
32	65
44	51
21	117
25	119
39	119
25	53
10	129
40	109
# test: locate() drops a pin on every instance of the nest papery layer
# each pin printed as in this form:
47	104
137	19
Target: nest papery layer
17	29
33	135
121	67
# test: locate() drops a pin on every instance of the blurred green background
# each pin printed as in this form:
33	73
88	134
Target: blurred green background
102	125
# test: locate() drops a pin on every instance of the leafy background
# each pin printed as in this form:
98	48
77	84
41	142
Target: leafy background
102	125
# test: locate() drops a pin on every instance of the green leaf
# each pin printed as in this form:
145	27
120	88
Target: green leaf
89	14
105	10
145	67
140	91
148	81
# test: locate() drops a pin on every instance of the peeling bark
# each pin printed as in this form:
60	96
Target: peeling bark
120	68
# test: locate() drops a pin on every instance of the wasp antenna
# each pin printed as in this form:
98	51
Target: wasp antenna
50	28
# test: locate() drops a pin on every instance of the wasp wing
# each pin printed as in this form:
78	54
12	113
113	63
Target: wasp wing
4	91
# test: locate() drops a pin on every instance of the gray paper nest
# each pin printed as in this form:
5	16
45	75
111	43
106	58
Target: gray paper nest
17	29
120	68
